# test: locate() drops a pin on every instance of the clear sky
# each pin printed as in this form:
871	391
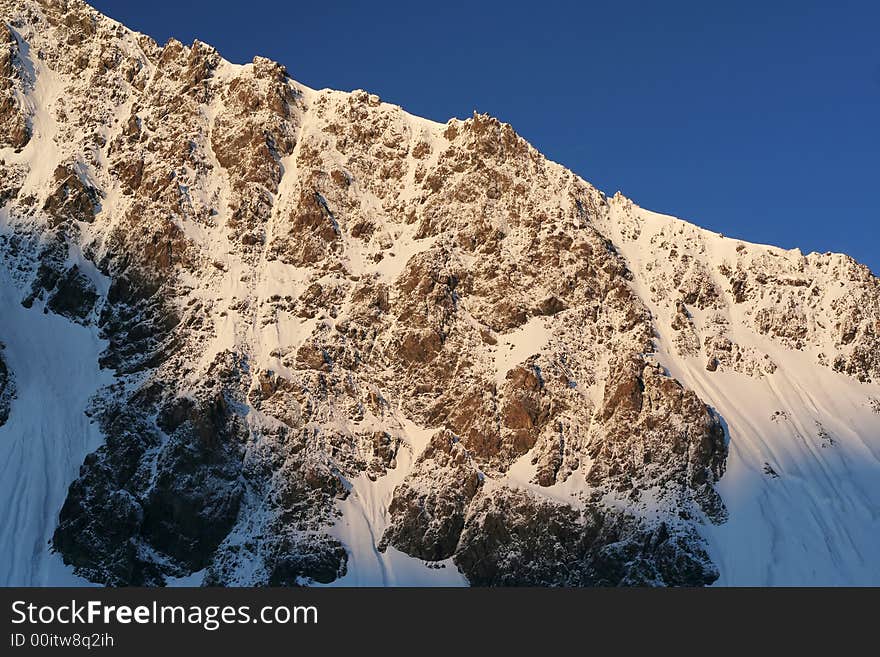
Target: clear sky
755	119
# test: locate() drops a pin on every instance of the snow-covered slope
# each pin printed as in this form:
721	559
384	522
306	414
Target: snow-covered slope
801	485
257	333
47	435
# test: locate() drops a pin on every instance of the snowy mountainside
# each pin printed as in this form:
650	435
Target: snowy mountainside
259	334
800	482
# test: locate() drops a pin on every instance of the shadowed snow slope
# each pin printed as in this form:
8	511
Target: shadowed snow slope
47	436
802	485
322	341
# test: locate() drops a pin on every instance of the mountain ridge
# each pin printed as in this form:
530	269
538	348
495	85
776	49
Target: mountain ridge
353	346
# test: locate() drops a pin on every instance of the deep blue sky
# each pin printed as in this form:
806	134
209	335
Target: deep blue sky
755	119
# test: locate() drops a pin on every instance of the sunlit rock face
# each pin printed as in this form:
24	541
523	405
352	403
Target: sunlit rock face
348	345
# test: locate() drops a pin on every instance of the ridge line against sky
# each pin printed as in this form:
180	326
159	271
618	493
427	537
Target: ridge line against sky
759	120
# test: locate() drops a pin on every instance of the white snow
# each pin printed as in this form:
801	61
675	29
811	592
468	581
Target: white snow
47	435
55	365
818	522
520	344
364	519
189	581
522	474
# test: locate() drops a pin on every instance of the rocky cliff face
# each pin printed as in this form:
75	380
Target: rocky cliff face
7	388
344	338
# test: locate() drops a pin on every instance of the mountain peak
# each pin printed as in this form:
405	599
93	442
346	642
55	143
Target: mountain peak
304	337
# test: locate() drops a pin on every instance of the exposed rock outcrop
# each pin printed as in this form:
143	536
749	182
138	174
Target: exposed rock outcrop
15	129
301	293
7	388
